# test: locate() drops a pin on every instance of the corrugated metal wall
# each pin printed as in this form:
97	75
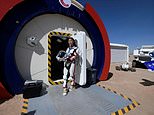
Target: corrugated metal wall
119	54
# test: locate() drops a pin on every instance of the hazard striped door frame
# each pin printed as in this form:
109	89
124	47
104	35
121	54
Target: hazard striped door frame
50	35
87	17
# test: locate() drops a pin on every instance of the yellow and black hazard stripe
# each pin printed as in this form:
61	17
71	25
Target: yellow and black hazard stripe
24	109
52	82
58	34
55	82
125	109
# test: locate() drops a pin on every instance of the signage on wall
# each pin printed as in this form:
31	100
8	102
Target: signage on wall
65	3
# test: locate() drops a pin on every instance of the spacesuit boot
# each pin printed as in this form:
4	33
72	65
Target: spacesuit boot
65	90
72	84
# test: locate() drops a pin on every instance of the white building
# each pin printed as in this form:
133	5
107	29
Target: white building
119	53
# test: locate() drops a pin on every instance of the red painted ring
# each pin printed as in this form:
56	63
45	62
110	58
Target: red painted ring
102	29
4	93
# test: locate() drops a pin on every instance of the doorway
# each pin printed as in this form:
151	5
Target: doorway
57	41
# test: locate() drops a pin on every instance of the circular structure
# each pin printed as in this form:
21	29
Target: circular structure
31	54
22	13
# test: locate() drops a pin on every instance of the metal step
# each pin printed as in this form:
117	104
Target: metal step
82	101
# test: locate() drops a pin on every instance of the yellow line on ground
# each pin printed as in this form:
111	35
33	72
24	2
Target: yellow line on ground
131	106
135	103
25	105
126	109
113	114
125	97
120	112
24	110
25	100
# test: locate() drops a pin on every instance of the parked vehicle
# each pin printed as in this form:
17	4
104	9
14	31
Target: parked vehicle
142	55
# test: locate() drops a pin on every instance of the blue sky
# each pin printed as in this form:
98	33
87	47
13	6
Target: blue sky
128	22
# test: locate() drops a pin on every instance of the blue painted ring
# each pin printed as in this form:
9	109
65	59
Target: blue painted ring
23	13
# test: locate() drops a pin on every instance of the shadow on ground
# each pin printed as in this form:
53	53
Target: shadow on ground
141	65
31	112
2	101
147	82
109	75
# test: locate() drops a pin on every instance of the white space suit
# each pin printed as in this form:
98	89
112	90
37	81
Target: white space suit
69	65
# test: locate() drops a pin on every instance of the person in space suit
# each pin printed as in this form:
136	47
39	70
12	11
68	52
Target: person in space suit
70	60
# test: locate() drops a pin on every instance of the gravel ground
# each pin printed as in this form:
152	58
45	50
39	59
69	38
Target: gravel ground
137	85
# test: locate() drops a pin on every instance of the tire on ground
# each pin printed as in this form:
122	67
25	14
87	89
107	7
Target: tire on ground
134	63
133	70
118	68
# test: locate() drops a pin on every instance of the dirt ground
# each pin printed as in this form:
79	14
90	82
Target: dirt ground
137	85
12	106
